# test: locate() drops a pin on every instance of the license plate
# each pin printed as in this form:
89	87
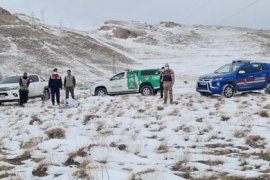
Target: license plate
202	83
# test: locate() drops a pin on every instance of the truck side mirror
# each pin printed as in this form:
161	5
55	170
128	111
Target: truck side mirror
242	72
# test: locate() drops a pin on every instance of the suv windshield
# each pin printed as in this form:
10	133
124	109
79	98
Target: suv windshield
228	69
10	80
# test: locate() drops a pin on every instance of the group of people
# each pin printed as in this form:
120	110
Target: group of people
167	79
55	84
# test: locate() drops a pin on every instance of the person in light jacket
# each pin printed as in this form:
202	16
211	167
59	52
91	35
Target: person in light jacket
69	84
24	83
168	82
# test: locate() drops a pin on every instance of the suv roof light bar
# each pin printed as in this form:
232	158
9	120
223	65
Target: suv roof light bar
241	61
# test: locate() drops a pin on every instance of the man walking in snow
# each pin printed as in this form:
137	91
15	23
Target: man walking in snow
168	82
24	85
69	84
161	82
55	84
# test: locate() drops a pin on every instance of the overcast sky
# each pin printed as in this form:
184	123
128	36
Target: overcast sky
82	14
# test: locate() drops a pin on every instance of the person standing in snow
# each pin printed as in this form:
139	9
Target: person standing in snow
168	78
69	84
23	91
161	82
55	84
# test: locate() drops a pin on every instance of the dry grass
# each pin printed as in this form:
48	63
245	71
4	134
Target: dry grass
163	147
265	155
224	118
122	147
56	133
34	119
255	141
239	133
83	171
82	152
175	112
160	108
87	118
263	113
18	160
212	162
40	171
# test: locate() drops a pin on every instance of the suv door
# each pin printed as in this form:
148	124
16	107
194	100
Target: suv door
118	83
259	75
243	81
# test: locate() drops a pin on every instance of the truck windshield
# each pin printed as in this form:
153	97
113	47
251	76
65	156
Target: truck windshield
10	80
228	69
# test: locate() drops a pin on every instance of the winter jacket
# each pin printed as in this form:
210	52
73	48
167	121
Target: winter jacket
69	81
55	82
24	83
168	75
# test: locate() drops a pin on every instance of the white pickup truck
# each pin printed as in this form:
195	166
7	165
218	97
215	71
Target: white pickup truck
9	88
144	81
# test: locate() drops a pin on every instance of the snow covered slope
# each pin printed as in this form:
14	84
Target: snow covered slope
28	45
134	137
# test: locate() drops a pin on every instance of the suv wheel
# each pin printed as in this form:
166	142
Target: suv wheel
101	92
46	95
147	90
228	91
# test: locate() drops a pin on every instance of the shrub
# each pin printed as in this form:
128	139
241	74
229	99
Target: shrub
40	171
263	113
255	141
224	118
89	117
56	133
34	119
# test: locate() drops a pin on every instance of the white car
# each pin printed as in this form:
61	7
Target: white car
9	88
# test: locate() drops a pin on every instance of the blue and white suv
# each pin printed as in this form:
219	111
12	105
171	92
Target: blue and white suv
239	76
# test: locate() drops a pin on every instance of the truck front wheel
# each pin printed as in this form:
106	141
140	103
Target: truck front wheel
101	92
147	90
228	91
46	95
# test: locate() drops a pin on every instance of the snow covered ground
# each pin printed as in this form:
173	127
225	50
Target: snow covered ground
135	137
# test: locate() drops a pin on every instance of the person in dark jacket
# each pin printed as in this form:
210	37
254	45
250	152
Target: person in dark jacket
55	84
161	82
23	91
69	84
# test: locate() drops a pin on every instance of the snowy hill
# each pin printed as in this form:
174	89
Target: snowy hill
133	137
28	45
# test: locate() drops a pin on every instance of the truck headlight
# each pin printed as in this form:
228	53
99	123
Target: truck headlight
13	88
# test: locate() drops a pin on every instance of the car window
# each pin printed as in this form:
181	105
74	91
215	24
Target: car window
42	79
33	78
10	80
227	69
257	67
118	76
150	72
246	68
